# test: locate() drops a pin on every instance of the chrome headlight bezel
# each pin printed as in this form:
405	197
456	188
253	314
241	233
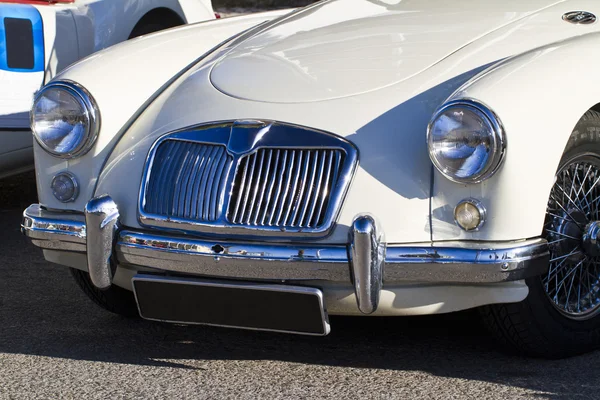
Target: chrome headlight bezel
497	134
87	102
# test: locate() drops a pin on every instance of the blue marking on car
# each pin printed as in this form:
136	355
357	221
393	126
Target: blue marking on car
21	13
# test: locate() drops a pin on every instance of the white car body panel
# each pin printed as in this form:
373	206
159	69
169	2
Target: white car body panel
385	114
71	31
331	53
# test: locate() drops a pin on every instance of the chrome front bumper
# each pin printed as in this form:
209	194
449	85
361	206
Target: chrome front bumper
366	261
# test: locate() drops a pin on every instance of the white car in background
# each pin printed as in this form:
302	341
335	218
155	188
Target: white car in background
38	39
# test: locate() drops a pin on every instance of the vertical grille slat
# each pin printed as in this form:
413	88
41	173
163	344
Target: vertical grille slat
288	205
309	190
209	187
325	190
187	180
183	190
194	188
256	187
221	176
268	194
278	210
243	166
181	180
263	188
317	190
301	188
170	174
286	188
252	166
194	179
166	155
202	200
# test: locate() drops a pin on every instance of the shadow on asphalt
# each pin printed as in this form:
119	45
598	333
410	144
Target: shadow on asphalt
42	312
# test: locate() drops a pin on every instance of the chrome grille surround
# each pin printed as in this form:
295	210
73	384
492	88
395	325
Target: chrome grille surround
255	196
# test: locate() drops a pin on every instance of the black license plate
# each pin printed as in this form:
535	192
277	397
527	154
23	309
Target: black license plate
280	308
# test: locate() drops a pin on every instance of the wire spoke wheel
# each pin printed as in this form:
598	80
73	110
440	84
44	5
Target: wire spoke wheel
560	317
573	280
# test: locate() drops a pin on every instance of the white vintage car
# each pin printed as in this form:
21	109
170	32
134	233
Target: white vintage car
39	38
352	157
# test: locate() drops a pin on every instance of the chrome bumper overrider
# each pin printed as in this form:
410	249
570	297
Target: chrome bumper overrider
367	261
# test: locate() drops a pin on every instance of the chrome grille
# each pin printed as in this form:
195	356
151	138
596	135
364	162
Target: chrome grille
285	188
247	178
187	180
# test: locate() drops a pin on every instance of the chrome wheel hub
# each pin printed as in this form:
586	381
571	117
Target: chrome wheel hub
572	229
590	240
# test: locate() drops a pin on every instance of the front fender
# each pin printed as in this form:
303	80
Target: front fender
539	97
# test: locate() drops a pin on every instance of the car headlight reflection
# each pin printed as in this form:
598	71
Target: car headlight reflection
466	141
64	119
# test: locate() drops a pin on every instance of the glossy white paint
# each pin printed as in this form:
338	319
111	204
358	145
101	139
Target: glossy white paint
72	31
417	299
346	48
383	111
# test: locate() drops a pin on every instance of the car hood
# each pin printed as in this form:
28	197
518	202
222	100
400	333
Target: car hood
342	48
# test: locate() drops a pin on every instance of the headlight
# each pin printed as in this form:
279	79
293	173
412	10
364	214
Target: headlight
466	141
64	119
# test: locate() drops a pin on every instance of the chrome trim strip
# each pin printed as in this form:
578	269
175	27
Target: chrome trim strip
450	262
234	260
467	262
440	262
101	216
367	258
54	230
244	286
244	140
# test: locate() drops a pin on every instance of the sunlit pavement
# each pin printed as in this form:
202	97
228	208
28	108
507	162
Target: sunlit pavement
55	343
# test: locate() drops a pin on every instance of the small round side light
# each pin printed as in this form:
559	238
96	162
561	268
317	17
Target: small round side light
65	187
469	214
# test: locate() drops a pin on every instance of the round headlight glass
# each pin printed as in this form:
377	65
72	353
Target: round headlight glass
466	141
64	119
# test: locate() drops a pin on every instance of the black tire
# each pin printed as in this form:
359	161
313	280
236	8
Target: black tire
115	299
535	326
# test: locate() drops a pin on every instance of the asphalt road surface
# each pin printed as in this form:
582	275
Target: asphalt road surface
54	343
